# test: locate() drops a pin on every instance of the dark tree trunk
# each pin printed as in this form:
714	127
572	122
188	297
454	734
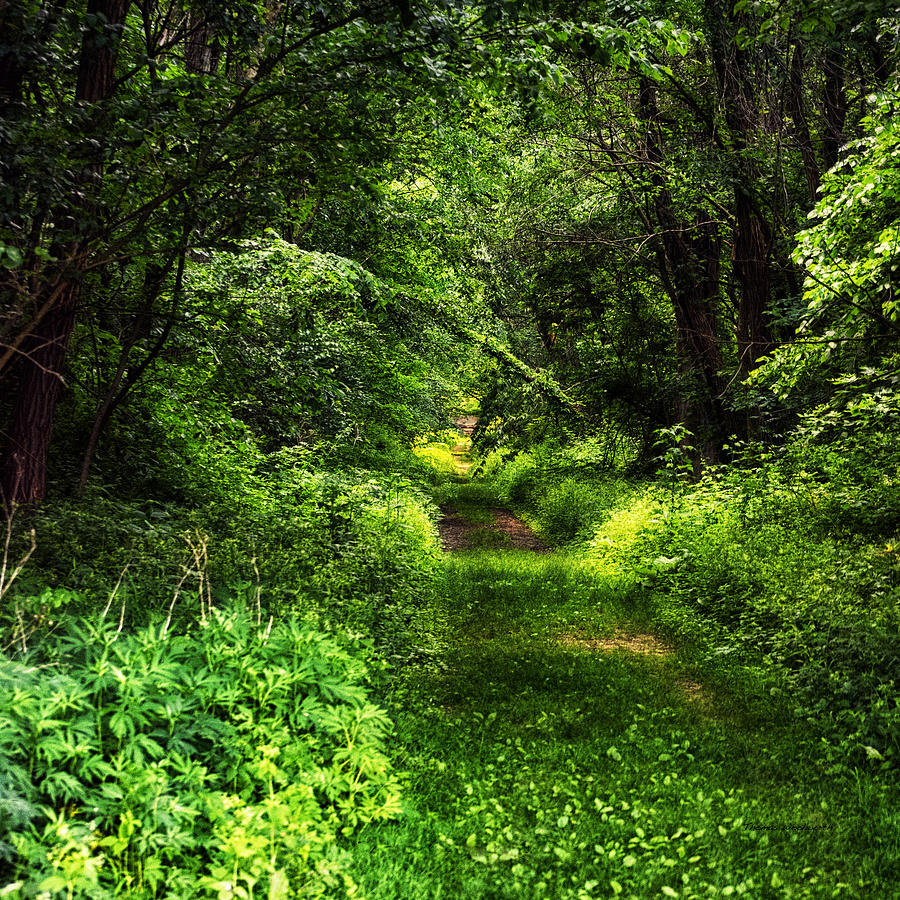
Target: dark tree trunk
99	50
201	53
835	106
689	256
752	252
23	478
752	234
801	124
692	265
40	382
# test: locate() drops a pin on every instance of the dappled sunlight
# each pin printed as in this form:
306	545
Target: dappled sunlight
639	644
449	450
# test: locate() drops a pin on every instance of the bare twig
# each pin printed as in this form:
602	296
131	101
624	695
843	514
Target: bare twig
201	562
168	621
121	617
6	583
115	590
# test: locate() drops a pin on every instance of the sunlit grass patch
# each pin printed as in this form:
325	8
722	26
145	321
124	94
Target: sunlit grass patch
613	541
563	748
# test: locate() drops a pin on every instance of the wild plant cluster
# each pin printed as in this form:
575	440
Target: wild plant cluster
193	650
222	760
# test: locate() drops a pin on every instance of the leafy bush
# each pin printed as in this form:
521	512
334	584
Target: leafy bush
439	456
563	488
768	559
516	479
574	508
354	548
787	559
218	762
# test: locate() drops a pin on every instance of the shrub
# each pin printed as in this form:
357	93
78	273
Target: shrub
223	760
517	478
575	508
439	456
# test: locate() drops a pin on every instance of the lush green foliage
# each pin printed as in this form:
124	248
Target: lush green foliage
254	258
544	763
214	763
783	560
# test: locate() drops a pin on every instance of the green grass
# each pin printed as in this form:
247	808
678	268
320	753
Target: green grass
541	766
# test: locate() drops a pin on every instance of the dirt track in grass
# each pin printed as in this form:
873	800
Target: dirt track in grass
505	532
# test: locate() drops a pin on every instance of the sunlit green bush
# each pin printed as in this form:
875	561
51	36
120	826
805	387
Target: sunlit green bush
788	559
770	559
517	478
439	456
216	762
575	508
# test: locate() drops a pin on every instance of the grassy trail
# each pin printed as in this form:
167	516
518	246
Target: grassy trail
557	748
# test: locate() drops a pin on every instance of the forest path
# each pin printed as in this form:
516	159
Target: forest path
557	747
496	528
465	525
461	454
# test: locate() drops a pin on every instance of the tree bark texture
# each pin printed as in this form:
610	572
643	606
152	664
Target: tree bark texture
691	259
752	233
752	253
201	54
835	107
40	383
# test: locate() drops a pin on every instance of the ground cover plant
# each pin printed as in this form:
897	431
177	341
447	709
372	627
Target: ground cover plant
764	560
218	762
558	748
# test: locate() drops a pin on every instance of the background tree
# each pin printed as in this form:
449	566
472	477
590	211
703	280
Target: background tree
178	127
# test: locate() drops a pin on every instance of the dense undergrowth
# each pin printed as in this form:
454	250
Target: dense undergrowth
557	747
786	559
199	764
190	686
266	681
255	257
186	691
215	719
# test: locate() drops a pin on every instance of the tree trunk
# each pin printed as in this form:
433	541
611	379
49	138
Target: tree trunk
201	54
23	476
752	234
801	125
689	265
835	106
752	251
692	264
